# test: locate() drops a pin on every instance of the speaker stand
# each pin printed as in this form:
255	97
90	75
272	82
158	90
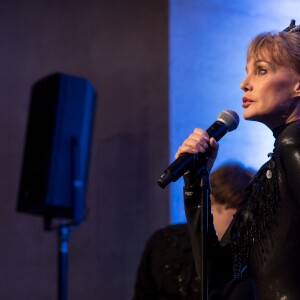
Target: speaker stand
63	261
63	233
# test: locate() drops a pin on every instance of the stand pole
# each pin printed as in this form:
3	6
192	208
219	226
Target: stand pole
63	234
205	186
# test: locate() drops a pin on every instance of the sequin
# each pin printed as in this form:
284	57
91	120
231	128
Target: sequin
269	174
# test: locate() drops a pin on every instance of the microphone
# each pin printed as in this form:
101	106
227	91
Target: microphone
228	120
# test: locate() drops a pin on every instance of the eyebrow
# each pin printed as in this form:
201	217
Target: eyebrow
262	60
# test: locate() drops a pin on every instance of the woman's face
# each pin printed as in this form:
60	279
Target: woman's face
269	93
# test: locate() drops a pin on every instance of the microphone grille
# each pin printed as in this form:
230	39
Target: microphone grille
230	118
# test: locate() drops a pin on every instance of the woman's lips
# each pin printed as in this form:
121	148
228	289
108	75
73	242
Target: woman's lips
246	102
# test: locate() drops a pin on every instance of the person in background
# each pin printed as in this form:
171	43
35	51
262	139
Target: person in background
167	269
264	234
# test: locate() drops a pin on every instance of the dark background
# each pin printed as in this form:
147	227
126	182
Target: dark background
122	48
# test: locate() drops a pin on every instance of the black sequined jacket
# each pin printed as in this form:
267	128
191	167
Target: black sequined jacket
167	269
265	231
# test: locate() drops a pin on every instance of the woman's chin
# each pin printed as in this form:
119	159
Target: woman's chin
247	115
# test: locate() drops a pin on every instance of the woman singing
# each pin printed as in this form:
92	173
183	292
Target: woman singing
264	233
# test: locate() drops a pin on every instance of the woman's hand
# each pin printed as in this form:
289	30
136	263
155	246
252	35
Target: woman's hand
199	141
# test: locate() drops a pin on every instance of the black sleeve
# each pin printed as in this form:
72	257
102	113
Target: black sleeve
290	155
219	257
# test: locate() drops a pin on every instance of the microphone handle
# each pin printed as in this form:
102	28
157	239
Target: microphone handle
217	130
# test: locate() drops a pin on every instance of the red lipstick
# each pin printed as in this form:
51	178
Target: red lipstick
246	102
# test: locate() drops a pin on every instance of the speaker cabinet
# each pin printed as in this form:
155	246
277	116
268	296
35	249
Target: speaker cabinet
56	155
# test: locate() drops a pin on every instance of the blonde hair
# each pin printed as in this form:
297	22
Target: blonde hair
282	48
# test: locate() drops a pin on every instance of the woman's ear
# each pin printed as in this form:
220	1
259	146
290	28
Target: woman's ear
297	89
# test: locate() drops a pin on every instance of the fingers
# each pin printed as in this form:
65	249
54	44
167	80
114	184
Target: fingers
213	144
198	141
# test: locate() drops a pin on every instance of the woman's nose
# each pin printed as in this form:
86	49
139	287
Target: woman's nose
245	86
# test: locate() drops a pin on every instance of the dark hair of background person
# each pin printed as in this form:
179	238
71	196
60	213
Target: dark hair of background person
229	182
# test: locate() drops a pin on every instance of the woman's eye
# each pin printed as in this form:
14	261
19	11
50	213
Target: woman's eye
261	71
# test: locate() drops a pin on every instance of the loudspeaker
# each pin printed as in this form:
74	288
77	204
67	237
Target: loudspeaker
56	155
